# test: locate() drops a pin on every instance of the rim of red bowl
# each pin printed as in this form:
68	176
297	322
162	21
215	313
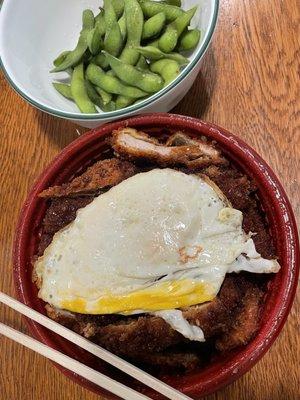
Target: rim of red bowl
279	213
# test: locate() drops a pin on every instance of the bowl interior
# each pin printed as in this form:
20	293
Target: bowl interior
44	29
89	147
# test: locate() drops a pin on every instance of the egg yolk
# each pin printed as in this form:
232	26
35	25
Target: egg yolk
163	296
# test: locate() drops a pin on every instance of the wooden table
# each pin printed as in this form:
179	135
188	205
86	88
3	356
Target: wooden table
249	84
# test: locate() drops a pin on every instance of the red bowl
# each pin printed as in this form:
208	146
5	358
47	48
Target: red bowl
279	213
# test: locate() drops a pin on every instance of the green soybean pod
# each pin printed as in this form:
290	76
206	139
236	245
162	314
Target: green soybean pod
154	25
150	52
176	3
63	89
134	23
153	43
168	69
100	22
142	63
93	95
131	75
157	66
113	40
189	40
79	92
122	26
141	99
97	99
100	60
61	58
151	8
105	96
99	16
169	38
111	84
111	106
76	55
94	40
118	6
110	72
153	53
123	101
88	19
110	16
182	22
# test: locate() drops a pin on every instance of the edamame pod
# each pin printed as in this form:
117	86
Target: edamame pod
79	92
113	40
153	53
142	63
88	19
153	43
96	99
176	3
105	96
151	8
134	23
94	40
63	89
131	75
110	16
100	60
75	56
93	95
123	102
100	22
189	40
141	99
111	84
110	72
61	58
122	26
169	38
154	25
118	6
167	69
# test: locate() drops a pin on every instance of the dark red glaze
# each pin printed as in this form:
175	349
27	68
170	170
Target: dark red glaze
282	288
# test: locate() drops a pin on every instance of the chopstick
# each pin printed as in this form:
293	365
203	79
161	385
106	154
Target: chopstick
93	348
86	372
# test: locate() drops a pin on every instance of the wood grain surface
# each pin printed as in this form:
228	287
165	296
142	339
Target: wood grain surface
249	83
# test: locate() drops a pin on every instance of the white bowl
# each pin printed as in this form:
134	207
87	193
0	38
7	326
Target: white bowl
34	32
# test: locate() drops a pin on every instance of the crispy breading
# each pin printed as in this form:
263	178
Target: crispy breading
102	174
60	213
163	362
179	149
241	192
246	322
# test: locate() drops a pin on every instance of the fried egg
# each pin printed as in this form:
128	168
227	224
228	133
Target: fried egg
158	241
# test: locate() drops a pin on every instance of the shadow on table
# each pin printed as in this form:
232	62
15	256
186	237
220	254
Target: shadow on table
197	100
60	131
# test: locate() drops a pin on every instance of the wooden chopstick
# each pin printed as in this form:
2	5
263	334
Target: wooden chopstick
81	369
93	348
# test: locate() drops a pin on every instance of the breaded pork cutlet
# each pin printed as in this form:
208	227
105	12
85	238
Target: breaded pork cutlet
103	174
228	321
178	150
